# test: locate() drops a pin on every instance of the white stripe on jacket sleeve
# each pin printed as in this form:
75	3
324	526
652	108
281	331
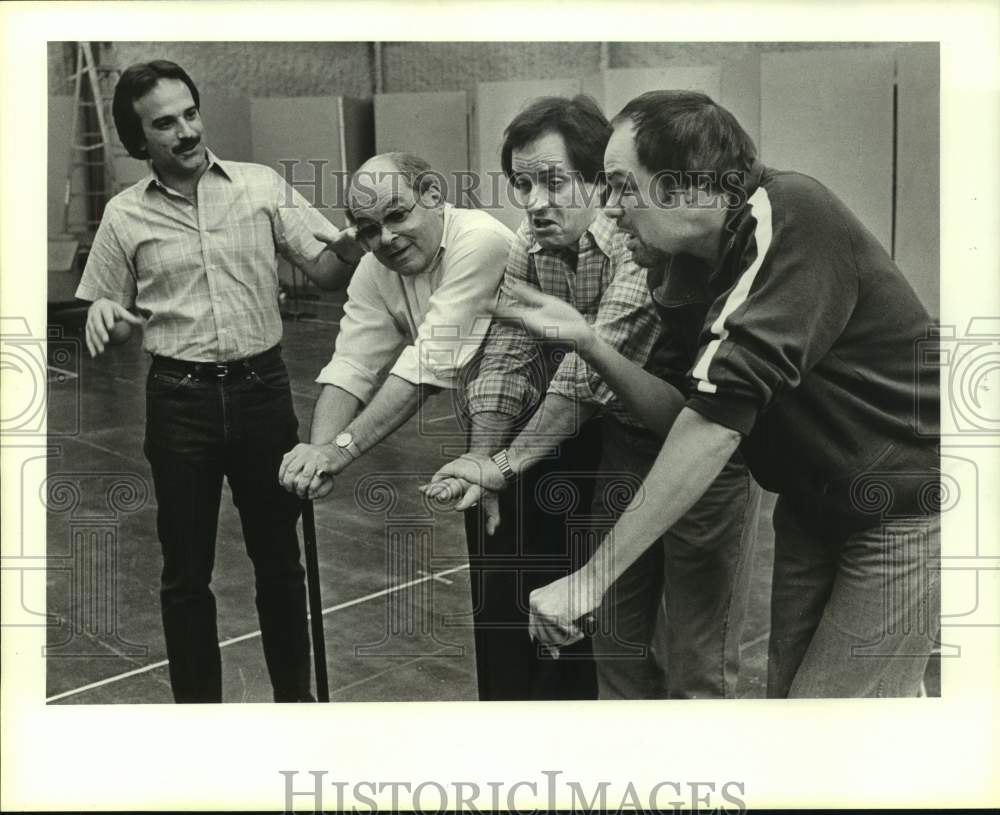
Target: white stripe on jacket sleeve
760	206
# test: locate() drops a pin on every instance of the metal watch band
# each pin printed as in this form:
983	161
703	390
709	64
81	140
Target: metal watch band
500	459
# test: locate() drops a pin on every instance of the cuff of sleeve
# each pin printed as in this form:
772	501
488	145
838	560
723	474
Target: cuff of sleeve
494	403
356	381
736	413
575	380
408	367
85	292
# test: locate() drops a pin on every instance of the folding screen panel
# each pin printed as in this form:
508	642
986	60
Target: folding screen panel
496	104
616	86
432	125
829	114
227	126
739	92
319	139
918	189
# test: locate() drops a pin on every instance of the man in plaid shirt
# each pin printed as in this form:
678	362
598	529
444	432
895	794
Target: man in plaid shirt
192	247
567	248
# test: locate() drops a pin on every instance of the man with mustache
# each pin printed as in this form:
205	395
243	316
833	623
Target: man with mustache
193	247
567	248
806	361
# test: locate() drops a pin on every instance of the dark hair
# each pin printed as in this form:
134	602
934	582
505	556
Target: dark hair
687	133
579	121
135	82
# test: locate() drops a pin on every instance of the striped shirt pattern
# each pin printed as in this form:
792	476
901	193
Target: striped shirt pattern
206	270
605	285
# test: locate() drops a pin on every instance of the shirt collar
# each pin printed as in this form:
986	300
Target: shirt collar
684	279
152	179
600	233
736	214
681	281
439	254
445	223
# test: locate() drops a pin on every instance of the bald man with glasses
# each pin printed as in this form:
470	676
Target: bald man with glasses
418	306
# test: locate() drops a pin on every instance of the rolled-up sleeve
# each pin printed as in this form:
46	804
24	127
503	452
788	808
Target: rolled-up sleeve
459	312
511	375
781	316
110	271
369	338
294	220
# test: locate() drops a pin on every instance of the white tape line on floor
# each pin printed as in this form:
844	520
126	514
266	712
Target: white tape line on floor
243	637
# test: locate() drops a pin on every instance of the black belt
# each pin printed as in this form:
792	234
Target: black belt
218	370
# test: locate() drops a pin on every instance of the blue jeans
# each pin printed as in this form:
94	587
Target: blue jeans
856	614
200	428
700	570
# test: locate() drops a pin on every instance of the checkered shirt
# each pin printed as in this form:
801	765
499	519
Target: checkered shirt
605	285
206	271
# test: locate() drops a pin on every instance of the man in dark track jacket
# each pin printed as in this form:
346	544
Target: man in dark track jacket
806	361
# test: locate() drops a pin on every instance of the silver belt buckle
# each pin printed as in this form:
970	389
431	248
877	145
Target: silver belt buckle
221	371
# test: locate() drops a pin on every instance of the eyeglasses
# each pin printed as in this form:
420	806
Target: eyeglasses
369	233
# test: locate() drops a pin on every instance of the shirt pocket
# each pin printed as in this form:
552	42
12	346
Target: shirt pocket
165	255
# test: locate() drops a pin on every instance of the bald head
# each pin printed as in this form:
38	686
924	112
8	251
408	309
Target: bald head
395	201
384	179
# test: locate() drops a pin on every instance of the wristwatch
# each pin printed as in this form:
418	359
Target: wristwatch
345	441
500	459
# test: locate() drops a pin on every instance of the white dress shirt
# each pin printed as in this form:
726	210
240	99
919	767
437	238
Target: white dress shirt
423	328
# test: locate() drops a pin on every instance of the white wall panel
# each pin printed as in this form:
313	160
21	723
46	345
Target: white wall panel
432	125
303	129
829	114
496	104
918	188
619	85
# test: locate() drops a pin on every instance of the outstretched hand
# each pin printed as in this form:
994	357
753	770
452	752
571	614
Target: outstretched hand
459	495
546	317
473	468
343	242
108	322
560	610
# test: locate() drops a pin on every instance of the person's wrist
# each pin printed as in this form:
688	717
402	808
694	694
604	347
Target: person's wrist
337	457
594	580
502	474
515	459
588	342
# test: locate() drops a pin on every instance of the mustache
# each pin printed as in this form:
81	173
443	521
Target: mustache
184	146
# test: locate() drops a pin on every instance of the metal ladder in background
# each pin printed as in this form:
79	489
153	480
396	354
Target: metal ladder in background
94	148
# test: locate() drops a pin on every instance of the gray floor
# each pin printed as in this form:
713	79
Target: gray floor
393	574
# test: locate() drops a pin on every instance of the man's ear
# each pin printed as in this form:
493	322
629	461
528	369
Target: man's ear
432	194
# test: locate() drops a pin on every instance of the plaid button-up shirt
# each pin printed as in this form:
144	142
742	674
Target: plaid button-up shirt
604	284
206	270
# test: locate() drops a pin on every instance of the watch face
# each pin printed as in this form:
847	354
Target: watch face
343	439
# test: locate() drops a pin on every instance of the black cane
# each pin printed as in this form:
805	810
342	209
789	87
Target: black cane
315	603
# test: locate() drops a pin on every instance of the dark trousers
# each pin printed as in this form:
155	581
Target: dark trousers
544	534
200	428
